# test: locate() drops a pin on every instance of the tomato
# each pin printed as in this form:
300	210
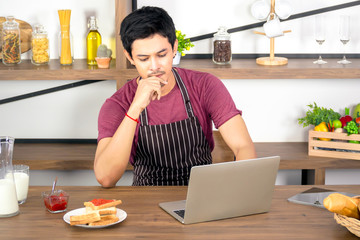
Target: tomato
357	120
337	124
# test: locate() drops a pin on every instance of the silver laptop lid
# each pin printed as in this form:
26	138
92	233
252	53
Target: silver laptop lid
230	189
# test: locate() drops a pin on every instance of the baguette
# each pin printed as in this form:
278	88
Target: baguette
105	220
342	204
97	204
85	218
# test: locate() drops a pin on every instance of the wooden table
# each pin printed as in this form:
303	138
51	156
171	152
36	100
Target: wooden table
146	220
294	155
75	156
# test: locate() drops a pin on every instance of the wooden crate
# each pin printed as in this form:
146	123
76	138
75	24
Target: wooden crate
338	147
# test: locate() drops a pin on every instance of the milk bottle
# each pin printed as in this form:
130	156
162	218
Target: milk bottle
8	199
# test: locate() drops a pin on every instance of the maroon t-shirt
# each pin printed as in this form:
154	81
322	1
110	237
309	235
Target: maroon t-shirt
209	98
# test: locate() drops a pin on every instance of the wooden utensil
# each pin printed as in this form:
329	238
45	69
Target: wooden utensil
25	35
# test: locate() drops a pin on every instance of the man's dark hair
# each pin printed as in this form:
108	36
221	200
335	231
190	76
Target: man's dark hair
145	22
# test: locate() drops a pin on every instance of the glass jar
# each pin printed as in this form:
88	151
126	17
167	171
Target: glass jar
11	52
222	47
39	46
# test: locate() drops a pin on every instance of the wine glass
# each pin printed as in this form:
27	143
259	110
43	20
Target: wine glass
320	35
344	32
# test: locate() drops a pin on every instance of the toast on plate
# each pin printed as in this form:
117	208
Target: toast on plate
97	204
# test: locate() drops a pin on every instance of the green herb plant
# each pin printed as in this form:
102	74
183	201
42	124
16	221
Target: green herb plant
315	115
183	43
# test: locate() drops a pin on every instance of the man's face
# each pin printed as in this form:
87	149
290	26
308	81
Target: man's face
153	56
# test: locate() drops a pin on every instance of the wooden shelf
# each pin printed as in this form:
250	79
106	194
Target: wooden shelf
238	69
295	69
79	70
248	69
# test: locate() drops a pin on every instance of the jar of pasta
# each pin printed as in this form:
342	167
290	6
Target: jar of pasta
11	53
40	46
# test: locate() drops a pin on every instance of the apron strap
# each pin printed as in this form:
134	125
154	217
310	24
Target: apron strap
184	93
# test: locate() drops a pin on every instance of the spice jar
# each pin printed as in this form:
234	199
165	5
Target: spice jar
222	47
39	46
11	53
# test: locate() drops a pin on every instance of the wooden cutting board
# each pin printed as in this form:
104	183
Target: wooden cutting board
25	35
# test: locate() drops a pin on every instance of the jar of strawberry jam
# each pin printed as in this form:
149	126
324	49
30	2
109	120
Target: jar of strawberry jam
56	201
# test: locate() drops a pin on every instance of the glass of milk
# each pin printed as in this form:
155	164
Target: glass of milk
21	176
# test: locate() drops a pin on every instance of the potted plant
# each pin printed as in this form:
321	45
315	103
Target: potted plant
103	56
183	44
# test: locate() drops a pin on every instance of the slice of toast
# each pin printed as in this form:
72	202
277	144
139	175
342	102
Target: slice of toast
97	204
105	220
85	218
104	211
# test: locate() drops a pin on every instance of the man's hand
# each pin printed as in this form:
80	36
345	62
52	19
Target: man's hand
148	90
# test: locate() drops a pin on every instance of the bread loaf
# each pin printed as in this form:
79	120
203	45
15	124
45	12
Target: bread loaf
342	204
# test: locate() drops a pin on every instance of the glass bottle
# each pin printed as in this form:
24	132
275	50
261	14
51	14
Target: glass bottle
66	48
66	51
11	50
39	46
8	198
222	47
93	41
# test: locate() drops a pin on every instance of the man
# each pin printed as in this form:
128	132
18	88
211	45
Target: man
161	121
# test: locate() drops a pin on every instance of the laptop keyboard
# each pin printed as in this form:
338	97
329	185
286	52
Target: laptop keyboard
181	212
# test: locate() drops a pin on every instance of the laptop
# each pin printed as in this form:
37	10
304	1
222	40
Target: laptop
226	190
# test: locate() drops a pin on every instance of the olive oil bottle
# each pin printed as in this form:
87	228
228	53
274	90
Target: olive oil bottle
93	41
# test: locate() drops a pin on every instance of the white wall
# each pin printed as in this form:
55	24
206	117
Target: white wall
208	15
271	107
45	13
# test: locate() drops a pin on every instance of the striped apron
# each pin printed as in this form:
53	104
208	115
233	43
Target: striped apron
165	153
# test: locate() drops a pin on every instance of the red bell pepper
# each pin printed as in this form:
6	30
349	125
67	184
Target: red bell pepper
347	118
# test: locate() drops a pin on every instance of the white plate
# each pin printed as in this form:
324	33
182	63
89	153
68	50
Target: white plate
121	214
